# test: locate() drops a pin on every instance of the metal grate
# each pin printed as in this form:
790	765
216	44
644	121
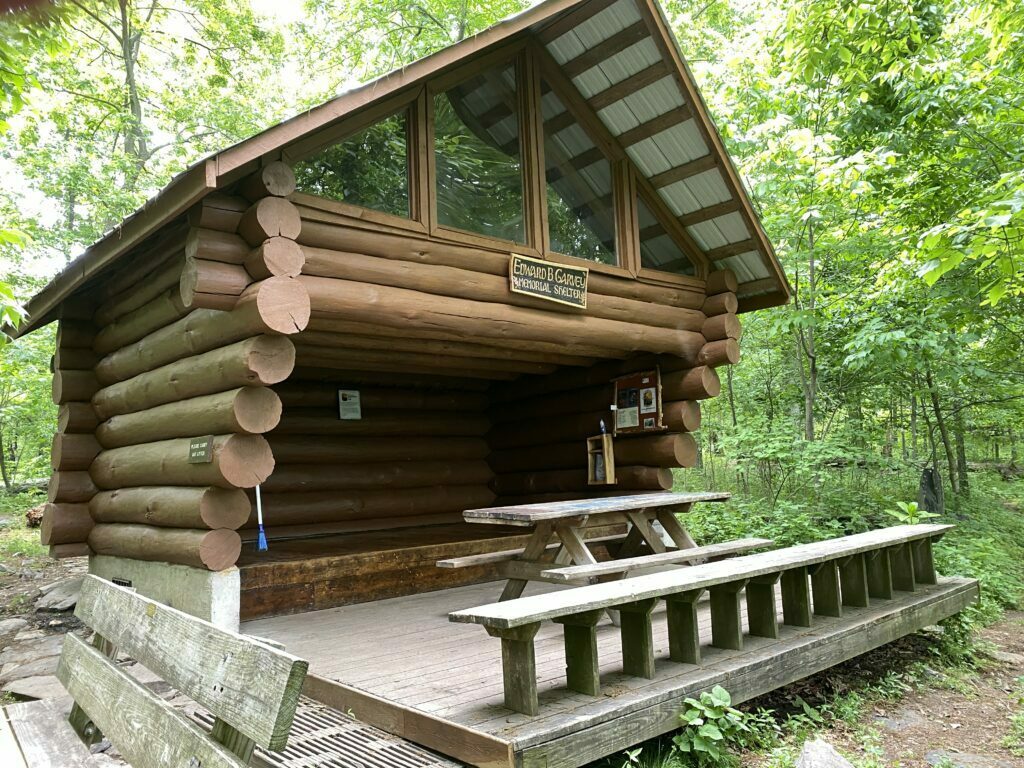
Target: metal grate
322	737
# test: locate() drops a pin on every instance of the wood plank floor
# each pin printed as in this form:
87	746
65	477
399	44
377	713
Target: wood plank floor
404	650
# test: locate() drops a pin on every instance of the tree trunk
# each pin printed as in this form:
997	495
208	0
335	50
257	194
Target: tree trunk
961	453
940	420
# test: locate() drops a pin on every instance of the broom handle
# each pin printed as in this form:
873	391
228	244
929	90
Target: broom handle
259	507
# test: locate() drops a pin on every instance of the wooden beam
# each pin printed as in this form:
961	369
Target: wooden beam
711	212
685	171
607	48
675	116
630	85
569	20
732	249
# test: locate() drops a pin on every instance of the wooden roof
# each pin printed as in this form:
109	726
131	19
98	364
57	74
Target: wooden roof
620	55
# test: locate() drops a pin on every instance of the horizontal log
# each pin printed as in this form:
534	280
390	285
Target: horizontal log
335	506
681	415
315	421
172	507
587	400
239	461
353	367
62	551
718	353
75	487
299	449
213	550
406	474
72	386
246	410
261	360
670	451
143	291
65	524
76	417
557	481
318	394
343	357
328	340
270	217
397	307
71	452
404	378
336	326
282	532
274	257
220	212
212	284
691	384
212	245
348	236
720	304
278	305
74	359
722	281
719	327
158	313
75	334
130	273
275	179
481	286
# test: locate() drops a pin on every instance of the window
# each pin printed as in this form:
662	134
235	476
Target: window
479	174
369	169
581	207
658	249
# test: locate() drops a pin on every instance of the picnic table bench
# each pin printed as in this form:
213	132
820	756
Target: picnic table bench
570	558
251	688
843	571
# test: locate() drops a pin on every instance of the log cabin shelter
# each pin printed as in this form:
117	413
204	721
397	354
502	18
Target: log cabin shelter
504	274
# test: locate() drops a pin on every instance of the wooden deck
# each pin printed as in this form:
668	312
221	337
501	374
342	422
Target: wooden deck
401	665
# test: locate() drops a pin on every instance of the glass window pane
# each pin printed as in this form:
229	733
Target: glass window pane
369	169
476	153
658	249
581	209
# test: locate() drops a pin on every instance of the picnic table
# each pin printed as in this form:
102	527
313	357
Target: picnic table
557	549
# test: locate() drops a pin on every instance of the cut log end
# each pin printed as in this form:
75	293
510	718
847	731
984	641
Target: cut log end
275	179
270	217
719	353
220	549
722	281
276	257
245	460
282	304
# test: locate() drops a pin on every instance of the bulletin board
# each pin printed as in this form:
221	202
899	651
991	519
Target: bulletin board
638	403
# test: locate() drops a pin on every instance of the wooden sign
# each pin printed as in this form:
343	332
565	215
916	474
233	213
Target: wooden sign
638	403
548	281
200	450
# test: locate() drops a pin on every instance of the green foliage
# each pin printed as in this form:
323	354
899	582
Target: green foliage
712	727
1014	741
909	514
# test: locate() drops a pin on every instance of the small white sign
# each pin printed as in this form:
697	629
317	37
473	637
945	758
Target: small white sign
349	407
627	417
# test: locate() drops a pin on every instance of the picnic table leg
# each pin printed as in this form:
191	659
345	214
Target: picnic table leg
641	521
675	529
532	552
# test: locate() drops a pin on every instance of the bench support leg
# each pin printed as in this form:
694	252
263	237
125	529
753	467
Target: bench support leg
235	742
825	586
796	598
762	615
853	578
637	638
879	575
901	558
924	562
683	627
726	623
81	723
519	667
582	671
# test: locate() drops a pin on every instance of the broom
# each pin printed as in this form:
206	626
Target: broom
261	538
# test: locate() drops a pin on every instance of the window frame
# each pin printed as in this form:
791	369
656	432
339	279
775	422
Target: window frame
674	229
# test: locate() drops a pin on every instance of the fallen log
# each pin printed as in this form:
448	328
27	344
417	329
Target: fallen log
260	360
213	550
172	507
407	474
65	524
238	461
246	410
299	449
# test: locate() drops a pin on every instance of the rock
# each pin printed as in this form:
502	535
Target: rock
24	651
901	721
45	665
1005	657
34	516
36	687
964	760
821	754
29	634
9	628
62	597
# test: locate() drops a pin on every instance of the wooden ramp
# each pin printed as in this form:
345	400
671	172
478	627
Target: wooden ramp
400	665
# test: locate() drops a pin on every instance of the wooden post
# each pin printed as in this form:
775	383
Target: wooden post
796	598
901	558
683	626
519	667
726	623
879	575
582	669
762	615
853	580
825	586
637	638
924	562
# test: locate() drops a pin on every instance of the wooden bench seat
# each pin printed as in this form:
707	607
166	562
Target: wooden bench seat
843	571
672	557
251	688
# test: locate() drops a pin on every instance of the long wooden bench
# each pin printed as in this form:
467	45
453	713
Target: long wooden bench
251	688
843	571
